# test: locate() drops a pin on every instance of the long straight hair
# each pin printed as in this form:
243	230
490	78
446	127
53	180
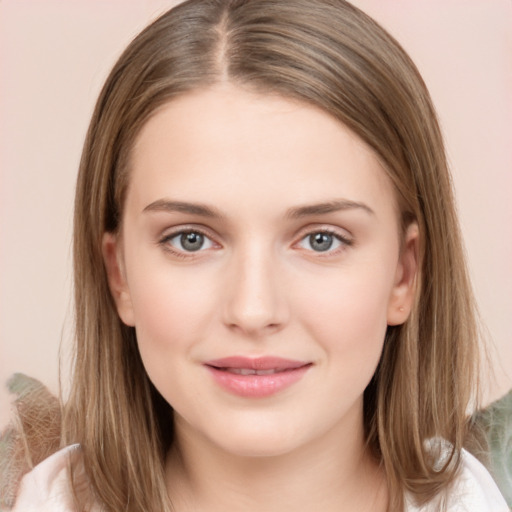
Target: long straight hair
329	54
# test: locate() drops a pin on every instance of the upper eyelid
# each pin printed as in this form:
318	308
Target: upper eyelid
342	233
178	230
342	240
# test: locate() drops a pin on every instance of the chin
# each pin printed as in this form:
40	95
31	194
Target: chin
258	446
257	437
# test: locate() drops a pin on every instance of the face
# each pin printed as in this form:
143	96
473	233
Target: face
260	262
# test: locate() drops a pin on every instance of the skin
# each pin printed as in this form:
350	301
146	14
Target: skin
258	287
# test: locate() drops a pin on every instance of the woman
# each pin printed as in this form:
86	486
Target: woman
271	302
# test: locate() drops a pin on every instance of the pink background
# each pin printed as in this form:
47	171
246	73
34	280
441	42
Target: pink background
54	56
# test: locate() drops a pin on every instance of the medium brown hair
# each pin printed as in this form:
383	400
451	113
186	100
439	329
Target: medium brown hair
331	55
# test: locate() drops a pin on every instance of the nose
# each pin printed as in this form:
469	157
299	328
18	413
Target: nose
255	302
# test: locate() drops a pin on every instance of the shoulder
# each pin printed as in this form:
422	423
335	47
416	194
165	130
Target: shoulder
474	490
47	487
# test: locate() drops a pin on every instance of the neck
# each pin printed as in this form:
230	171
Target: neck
334	473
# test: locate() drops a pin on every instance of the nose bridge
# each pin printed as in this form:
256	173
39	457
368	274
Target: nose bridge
256	301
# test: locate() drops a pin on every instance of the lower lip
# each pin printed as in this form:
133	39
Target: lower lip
257	386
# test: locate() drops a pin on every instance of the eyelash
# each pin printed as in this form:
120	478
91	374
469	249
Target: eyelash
343	240
164	242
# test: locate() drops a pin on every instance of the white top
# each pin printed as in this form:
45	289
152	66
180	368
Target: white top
46	488
474	491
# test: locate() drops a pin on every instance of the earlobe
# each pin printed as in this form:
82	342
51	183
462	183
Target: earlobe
404	289
118	285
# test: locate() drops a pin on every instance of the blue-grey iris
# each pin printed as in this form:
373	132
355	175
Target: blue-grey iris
192	241
321	241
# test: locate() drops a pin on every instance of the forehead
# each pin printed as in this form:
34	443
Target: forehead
227	141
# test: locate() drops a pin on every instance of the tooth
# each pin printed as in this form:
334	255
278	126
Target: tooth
242	371
265	372
250	371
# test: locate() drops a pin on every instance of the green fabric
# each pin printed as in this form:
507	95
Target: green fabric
32	435
496	421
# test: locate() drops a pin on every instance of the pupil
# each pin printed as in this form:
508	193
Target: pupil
192	241
321	241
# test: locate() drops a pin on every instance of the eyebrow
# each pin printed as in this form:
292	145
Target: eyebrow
298	212
166	205
327	207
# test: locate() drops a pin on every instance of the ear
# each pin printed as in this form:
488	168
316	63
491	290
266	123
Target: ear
114	264
404	288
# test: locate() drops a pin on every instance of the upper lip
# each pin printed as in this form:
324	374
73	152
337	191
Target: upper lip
256	363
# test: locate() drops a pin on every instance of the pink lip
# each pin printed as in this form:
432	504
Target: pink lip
286	372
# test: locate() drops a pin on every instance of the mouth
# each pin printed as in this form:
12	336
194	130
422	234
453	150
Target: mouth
249	371
256	377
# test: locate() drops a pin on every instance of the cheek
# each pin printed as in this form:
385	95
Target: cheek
171	309
348	314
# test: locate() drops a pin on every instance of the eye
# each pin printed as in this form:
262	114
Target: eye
323	241
189	241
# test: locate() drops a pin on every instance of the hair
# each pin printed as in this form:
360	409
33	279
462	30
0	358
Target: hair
329	54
